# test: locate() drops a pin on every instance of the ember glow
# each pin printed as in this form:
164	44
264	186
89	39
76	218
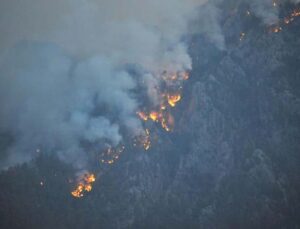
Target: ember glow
112	154
84	185
285	21
142	115
147	141
173	99
154	116
143	140
169	96
163	99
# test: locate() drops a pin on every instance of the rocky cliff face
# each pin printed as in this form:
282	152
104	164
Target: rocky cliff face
233	160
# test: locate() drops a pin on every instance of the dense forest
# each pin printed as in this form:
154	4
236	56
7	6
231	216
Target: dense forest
232	160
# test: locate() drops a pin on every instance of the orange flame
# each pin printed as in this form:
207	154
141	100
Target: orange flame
143	140
185	76
142	115
173	99
161	114
112	154
168	122
287	20
84	185
154	116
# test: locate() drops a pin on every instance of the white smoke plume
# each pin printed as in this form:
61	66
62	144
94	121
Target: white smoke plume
48	102
63	79
62	74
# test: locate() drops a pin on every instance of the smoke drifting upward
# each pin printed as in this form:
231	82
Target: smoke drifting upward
48	102
63	77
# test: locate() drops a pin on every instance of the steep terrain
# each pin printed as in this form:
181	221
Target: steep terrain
232	162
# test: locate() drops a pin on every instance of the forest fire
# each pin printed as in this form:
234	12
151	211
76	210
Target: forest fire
169	97
168	122
84	185
291	18
154	116
173	99
112	154
185	76
142	115
276	29
175	76
143	140
147	141
285	21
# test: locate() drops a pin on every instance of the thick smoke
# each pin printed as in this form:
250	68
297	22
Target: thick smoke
49	102
63	79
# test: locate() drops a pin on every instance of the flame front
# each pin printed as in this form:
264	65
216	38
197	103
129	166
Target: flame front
154	116
169	97
285	21
174	99
84	185
112	154
143	140
168	94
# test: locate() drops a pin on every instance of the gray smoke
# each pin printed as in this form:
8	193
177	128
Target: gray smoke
48	102
63	80
208	23
63	83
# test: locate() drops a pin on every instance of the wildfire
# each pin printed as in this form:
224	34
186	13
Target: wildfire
147	141
143	140
169	94
163	117
154	116
169	97
168	122
276	29
175	76
286	21
184	75
142	116
84	185
173	99
112	154
289	19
